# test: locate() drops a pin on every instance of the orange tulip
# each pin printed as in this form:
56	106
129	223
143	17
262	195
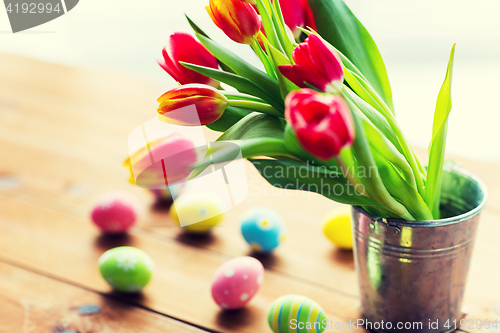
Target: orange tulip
191	105
238	20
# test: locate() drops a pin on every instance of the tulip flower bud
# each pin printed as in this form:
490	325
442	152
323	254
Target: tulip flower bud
308	15
293	15
162	162
317	64
183	47
191	105
323	124
253	2
238	20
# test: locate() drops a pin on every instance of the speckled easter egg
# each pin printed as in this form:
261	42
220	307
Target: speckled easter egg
198	212
115	212
295	313
263	229
126	269
337	228
236	281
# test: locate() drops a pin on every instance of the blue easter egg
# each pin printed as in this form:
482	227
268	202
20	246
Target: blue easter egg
263	229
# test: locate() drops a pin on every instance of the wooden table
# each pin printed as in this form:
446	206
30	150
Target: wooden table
63	138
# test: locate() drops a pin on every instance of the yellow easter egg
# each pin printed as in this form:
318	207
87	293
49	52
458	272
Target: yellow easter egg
337	228
198	212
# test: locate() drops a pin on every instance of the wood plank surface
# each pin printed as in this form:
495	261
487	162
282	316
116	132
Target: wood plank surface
68	248
32	303
63	137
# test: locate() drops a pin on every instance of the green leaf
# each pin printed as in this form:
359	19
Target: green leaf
198	30
279	59
438	142
265	14
264	59
254	125
294	175
230	117
240	83
396	173
360	90
243	68
380	122
241	96
338	25
399	188
382	147
373	183
279	23
195	27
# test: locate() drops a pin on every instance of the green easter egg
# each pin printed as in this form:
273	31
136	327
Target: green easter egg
126	269
295	313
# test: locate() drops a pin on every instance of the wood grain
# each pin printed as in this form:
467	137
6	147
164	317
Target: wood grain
68	248
31	303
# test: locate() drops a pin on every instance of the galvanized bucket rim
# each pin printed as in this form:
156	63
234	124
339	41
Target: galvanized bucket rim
442	222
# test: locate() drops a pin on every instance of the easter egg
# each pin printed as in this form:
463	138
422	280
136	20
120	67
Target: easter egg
198	212
236	281
126	269
337	228
115	212
295	313
263	229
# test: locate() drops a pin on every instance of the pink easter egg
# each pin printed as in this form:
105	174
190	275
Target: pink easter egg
115	212
236	281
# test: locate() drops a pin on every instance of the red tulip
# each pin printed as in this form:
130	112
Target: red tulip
238	20
183	47
297	14
308	15
323	124
164	161
192	105
317	64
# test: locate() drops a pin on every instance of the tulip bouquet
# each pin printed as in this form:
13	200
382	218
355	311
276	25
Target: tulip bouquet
318	116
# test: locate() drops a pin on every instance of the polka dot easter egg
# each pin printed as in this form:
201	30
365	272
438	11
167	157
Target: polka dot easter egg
115	212
198	212
126	269
337	228
236	282
295	313
263	229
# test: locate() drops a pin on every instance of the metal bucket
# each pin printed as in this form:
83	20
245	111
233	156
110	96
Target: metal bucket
412	274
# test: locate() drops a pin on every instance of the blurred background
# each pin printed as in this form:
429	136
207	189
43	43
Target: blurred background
414	37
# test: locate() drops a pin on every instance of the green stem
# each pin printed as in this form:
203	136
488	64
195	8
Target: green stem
348	174
389	116
226	151
374	184
408	152
263	58
255	106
